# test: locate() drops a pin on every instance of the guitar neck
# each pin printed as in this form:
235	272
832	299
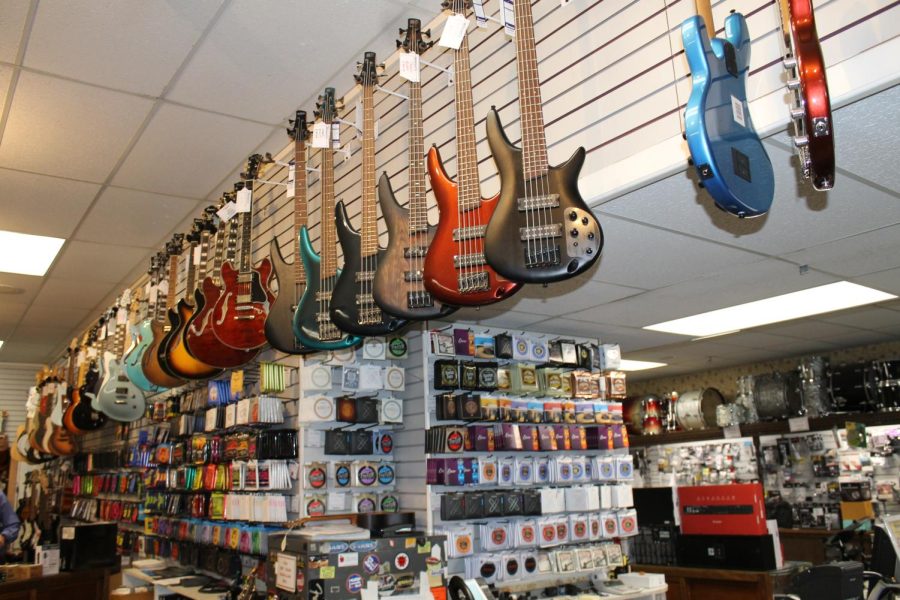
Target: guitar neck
418	208
785	12
246	233
704	11
204	257
173	281
329	232
191	270
300	204
534	143
467	181
369	231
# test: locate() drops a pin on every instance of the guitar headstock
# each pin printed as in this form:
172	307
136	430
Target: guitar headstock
327	108
251	171
414	42
368	70
177	244
457	6
193	236
298	130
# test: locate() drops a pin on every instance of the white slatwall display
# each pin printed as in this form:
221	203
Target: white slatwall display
15	379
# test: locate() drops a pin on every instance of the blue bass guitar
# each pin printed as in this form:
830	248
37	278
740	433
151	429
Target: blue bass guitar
730	159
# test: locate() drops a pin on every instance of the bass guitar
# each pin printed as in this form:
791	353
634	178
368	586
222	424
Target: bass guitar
456	270
353	308
399	287
178	358
239	317
118	398
541	230
150	363
728	155
291	277
141	335
312	322
811	107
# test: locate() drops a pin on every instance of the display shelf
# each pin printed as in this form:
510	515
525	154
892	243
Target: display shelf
162	588
540	582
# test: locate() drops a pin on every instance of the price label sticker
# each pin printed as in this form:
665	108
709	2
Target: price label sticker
737	112
291	181
243	200
121	317
336	132
508	17
320	135
409	66
227	212
797	424
454	31
480	17
732	432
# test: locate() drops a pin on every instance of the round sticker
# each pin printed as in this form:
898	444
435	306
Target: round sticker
342	475
489	471
530	564
454	441
562	531
386	443
391	410
488	570
371	563
627	525
543	471
527	534
354	583
498	536
390	504
539	351
373	347
606	470
548	532
525	472
401	561
323	408
316	477
397	347
595	528
385	474
625	469
577	470
610	526
315	508
512	566
463	544
521	346
366	475
321	377
565	472
580	529
395	378
506	473
366	505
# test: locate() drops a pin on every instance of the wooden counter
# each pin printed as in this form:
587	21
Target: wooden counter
687	583
91	584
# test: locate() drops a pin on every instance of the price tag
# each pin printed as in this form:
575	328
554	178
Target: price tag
126	296
732	432
508	17
243	200
454	31
162	288
409	66
291	181
796	424
227	212
111	324
237	382
121	317
480	17
286	572
198	253
320	135
336	133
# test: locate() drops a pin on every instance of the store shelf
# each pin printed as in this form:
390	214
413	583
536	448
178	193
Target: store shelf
766	428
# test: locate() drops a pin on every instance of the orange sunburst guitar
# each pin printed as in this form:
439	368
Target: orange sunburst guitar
150	364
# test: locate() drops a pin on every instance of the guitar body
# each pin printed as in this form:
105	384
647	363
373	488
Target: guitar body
241	323
142	337
442	277
178	358
305	323
547	259
117	396
279	322
817	159
392	292
85	418
68	423
162	353
730	159
200	339
61	442
352	307
150	360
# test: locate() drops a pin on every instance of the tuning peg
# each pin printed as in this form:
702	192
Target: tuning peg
317	113
357	78
793	84
798	112
427	33
789	63
445	4
801	141
402	31
399	43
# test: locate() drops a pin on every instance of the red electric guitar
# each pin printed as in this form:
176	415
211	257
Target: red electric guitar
455	269
811	110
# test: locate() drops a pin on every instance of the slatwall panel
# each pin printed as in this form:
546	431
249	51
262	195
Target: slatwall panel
409	443
15	379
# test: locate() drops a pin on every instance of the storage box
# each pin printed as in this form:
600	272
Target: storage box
643	580
48	557
130	594
19	572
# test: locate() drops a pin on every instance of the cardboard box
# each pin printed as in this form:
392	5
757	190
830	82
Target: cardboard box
20	572
130	594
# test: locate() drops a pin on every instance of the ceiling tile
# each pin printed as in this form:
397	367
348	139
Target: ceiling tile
26	352
12	15
860	338
10	315
185	151
128	44
73	293
5	78
886	281
68	129
264	67
648	257
629	338
42	335
27	283
757	340
570	295
53	316
96	263
810	329
866	318
495	317
856	255
133	218
43	205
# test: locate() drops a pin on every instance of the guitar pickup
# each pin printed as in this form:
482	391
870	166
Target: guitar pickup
362	299
415	252
412	276
419	299
461	261
474	282
536	202
469	233
322	296
243	299
540	232
537	257
365	276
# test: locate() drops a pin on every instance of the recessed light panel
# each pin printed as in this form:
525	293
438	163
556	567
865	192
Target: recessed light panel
639	365
805	303
26	254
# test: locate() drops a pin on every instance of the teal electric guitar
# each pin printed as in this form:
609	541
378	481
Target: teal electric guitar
118	397
142	335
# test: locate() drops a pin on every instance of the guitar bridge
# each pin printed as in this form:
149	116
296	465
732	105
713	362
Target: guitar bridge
419	299
542	257
474	282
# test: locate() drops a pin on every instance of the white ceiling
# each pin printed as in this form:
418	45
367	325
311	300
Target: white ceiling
121	117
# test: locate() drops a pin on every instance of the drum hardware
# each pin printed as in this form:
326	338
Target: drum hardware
669	403
744	398
728	415
813	386
852	387
886	374
696	409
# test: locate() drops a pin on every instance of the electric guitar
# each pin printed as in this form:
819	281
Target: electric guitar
728	155
118	397
811	108
291	277
399	281
141	335
239	319
456	270
84	417
200	339
178	358
353	308
60	441
150	363
312	322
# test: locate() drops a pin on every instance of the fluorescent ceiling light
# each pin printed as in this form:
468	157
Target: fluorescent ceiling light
639	365
1	343
26	254
805	303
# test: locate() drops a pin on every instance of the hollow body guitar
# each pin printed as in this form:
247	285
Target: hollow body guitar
353	307
141	337
117	397
541	230
153	368
728	155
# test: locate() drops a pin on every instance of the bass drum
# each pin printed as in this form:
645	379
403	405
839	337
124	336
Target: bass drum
777	396
697	409
634	412
852	387
886	374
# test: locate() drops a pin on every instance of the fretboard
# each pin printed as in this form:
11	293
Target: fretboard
246	233
534	144
173	280
418	207
189	287
300	199
467	181
369	231
230	249
329	231
204	256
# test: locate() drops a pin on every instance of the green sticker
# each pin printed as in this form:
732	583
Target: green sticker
424	548
326	573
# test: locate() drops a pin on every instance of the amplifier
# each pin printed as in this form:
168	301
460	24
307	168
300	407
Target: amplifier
840	580
87	546
735	509
743	552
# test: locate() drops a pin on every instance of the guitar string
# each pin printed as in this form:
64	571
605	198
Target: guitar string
416	194
466	220
524	124
530	103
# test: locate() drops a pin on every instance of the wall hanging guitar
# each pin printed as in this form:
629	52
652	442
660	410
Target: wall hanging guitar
141	336
353	307
312	322
728	155
808	85
456	271
150	363
399	281
118	398
291	277
541	229
239	318
84	417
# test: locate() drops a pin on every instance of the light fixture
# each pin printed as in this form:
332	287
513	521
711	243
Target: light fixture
639	365
27	254
1	343
805	303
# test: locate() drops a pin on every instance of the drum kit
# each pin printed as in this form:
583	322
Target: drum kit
696	409
650	414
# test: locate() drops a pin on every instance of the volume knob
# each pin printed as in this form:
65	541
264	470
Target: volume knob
574	232
573	216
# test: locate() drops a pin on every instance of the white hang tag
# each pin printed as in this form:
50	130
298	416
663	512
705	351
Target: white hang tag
508	17
376	129
291	180
198	253
480	17
162	289
227	212
732	432
152	293
797	424
409	66
126	297
454	31
121	317
320	135
111	324
336	133
243	201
